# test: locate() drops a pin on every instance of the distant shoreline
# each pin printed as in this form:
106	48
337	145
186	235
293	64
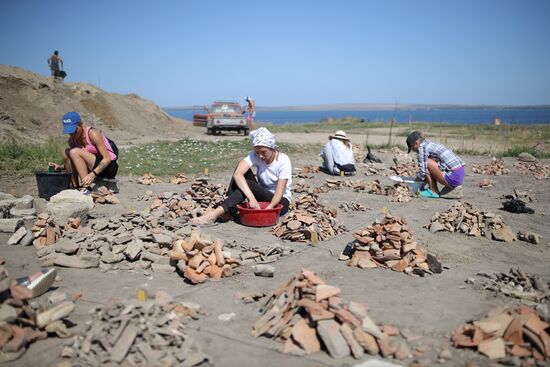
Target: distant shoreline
377	107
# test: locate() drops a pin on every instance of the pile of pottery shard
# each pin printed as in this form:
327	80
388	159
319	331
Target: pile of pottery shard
389	243
371	187
333	184
486	182
530	288
207	195
536	169
104	196
258	254
132	241
309	218
22	324
137	333
199	199
398	192
148	179
301	187
404	169
464	218
201	258
495	168
308	315
513	332
46	231
374	169
352	206
306	171
178	179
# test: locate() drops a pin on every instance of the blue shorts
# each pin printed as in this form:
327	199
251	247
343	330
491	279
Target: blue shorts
455	177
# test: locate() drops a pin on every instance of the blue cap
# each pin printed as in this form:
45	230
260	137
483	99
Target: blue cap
70	120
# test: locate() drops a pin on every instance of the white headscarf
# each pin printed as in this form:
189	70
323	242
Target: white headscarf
263	138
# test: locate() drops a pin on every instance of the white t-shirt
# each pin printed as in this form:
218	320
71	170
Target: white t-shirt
269	175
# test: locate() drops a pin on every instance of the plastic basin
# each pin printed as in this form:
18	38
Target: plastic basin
51	183
259	217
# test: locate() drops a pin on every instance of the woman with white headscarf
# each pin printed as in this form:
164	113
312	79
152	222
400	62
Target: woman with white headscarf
271	184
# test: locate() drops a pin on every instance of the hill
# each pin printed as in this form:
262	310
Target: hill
32	105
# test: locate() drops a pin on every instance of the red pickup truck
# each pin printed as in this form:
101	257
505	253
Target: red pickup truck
222	115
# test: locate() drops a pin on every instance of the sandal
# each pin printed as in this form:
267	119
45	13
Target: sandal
428	194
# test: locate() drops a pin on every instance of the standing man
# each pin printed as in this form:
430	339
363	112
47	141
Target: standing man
251	107
55	62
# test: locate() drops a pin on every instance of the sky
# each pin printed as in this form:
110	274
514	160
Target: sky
288	53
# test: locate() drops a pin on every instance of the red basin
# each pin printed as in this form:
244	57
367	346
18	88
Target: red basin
259	217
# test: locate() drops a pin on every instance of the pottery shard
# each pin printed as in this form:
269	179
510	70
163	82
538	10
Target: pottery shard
436	227
325	291
306	337
194	277
133	249
123	344
17	236
370	327
162	239
345	316
493	348
55	313
66	246
293	224
312	277
220	261
356	348
504	234
329	331
77	262
400	266
387	347
367	341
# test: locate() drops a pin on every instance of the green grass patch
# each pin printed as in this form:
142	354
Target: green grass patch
191	156
27	158
517	149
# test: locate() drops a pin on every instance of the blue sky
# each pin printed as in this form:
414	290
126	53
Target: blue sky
291	52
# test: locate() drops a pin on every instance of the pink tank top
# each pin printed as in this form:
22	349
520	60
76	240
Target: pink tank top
90	147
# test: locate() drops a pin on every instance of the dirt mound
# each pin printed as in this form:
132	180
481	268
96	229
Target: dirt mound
31	107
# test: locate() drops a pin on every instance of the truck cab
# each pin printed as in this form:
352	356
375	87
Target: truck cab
223	115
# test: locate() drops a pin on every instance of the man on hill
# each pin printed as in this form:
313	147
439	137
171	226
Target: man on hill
55	62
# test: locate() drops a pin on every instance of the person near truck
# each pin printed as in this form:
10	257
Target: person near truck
90	154
55	62
251	107
436	164
272	182
337	155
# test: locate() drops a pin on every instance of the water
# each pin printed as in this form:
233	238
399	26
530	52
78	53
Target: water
535	115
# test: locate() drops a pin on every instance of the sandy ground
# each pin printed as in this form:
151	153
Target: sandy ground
431	307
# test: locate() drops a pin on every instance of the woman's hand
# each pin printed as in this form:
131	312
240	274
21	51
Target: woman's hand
88	180
55	166
253	204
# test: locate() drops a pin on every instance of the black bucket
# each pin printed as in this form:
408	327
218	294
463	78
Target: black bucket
51	183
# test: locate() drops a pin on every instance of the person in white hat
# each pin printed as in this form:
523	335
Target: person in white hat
337	155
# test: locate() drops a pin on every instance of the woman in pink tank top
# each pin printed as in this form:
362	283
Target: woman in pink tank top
89	155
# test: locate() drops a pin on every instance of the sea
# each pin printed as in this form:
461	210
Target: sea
509	116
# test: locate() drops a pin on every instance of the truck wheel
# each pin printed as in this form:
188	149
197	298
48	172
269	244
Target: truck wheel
208	131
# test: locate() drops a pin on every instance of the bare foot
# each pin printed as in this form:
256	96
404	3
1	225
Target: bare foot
209	218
